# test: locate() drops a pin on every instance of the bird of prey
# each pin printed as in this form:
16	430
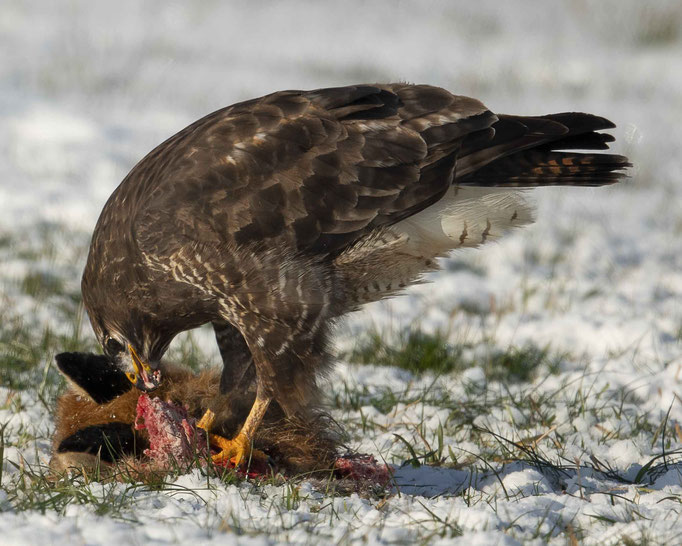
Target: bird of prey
272	217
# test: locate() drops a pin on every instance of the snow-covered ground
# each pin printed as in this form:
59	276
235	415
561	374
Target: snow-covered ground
87	88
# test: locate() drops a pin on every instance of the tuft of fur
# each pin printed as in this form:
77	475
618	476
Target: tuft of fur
294	445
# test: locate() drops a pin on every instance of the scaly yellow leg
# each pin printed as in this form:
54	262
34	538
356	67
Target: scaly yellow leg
239	448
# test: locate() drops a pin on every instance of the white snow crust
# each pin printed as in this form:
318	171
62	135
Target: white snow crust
87	88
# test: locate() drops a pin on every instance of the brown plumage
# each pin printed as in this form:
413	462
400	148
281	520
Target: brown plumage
272	217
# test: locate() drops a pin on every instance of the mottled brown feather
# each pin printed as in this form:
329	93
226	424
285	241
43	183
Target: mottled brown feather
271	214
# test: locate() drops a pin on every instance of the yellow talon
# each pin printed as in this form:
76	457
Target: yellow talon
206	421
237	450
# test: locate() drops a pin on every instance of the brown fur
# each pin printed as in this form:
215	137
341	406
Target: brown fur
295	446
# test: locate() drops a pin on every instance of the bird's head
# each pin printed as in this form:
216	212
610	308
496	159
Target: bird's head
130	332
134	312
132	342
140	368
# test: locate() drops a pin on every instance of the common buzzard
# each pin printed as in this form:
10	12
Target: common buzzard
274	216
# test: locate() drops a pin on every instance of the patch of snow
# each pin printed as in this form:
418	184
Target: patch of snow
87	91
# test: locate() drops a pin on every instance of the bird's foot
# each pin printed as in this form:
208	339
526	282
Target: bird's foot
236	451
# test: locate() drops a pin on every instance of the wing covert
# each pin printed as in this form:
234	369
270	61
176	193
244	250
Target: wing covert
314	170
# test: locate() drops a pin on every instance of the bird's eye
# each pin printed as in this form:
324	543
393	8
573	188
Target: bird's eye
112	347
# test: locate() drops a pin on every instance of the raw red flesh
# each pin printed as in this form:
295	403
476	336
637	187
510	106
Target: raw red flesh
174	439
362	468
173	435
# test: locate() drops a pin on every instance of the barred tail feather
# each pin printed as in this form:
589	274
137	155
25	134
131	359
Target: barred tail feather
536	151
537	167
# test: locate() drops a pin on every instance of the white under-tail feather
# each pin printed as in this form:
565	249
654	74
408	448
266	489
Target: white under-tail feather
466	217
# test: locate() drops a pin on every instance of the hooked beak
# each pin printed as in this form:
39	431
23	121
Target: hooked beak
145	378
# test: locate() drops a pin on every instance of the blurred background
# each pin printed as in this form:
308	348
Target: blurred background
565	336
88	88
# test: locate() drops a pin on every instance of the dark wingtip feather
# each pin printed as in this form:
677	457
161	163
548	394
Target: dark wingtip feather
580	122
538	126
585	141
